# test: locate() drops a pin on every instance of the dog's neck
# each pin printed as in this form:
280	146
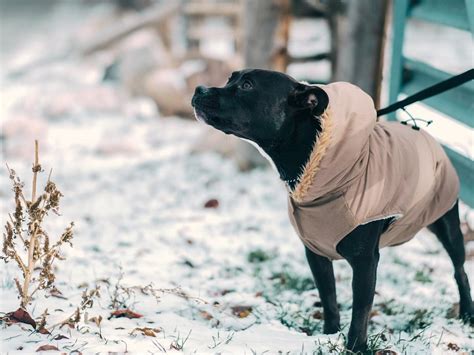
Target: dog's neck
291	154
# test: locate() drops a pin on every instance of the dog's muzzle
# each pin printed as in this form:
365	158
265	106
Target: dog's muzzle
203	99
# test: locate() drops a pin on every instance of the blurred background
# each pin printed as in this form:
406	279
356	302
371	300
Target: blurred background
160	50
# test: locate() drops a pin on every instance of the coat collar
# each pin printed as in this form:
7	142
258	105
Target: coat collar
320	146
341	150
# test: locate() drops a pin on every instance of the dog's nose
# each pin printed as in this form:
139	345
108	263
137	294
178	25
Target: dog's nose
200	90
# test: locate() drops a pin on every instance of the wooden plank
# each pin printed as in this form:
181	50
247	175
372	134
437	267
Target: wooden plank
449	13
457	103
465	169
153	16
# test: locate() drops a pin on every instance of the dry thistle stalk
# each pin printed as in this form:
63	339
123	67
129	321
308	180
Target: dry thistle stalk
26	242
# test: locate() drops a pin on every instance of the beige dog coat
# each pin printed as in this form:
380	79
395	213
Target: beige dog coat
361	170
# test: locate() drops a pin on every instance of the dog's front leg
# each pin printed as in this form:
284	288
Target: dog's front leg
323	275
364	273
361	249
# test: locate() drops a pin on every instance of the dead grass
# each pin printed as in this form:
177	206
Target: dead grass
25	240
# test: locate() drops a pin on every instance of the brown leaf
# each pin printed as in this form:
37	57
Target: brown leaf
241	311
22	316
60	336
212	203
318	315
373	313
43	331
150	332
206	315
120	313
47	348
453	346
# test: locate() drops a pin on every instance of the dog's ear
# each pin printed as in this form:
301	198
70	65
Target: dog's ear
307	97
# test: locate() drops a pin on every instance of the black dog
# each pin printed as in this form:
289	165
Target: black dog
277	113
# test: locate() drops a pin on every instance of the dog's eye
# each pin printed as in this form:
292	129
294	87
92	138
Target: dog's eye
247	85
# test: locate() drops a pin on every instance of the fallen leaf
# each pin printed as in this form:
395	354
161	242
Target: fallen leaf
241	311
43	330
373	313
212	203
22	316
47	348
318	315
453	346
121	313
206	315
150	332
60	336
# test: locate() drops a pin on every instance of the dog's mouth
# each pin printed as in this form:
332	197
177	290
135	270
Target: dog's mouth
212	119
207	110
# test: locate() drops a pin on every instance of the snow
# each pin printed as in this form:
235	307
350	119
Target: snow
136	195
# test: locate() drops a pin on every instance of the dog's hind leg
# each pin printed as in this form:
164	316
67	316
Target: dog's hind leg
323	275
447	230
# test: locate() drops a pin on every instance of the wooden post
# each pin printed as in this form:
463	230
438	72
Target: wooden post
266	24
359	44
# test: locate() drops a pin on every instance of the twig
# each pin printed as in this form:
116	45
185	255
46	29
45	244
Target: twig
30	268
36	168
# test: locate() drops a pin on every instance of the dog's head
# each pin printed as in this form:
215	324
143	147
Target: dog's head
258	105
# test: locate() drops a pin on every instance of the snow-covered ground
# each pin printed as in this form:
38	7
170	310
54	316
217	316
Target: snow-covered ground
228	280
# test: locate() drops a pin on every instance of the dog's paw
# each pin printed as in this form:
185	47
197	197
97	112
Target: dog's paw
466	313
467	317
331	328
332	325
